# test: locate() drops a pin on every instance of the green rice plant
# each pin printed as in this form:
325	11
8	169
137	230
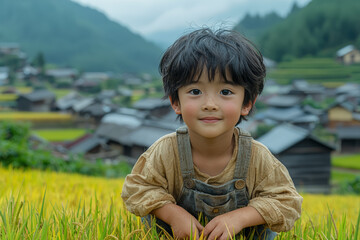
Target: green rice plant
60	134
21	220
346	161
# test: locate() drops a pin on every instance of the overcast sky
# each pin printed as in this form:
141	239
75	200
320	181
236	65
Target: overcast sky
164	20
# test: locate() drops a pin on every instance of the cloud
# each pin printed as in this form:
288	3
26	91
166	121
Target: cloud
149	17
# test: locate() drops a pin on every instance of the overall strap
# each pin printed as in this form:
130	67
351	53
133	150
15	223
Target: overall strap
243	155
184	148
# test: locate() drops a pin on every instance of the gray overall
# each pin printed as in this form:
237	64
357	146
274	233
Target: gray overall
199	197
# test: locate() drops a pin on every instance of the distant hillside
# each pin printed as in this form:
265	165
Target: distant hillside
69	34
318	29
254	26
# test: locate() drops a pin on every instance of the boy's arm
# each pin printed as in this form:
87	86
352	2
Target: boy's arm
181	222
231	223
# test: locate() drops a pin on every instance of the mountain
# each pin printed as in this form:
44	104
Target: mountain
69	34
254	26
318	29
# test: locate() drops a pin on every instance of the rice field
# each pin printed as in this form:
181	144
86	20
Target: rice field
60	134
35	116
49	205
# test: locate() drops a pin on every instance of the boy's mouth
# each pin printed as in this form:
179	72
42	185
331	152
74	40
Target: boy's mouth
209	119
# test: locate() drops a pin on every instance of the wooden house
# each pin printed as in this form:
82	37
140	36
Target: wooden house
155	107
348	55
343	114
348	139
36	101
307	158
132	133
62	74
115	127
144	136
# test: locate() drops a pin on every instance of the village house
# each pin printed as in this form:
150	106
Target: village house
307	158
4	75
62	73
90	82
155	107
348	55
114	127
11	48
36	101
343	113
348	139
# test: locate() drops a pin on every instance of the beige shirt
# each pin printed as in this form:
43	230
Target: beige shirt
156	180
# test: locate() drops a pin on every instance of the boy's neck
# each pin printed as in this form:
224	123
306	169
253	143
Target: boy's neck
211	156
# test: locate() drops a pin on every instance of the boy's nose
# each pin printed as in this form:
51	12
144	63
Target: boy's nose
209	104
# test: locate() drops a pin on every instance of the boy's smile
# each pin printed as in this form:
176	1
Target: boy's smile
211	108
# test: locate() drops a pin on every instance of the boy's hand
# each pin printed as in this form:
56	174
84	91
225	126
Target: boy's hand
181	221
184	225
223	226
231	223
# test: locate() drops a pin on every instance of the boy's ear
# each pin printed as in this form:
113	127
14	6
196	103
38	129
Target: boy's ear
176	106
246	108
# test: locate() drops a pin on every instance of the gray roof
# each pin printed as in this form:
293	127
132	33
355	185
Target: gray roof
82	103
98	109
348	132
147	135
67	101
114	132
283	114
345	50
285	136
62	72
347	88
283	101
308	118
39	95
122	120
151	103
116	127
87	144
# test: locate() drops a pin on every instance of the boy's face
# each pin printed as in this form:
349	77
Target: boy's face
211	109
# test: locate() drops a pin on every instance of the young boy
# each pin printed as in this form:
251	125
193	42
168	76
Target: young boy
210	166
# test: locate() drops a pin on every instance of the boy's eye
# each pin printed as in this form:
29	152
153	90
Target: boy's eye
225	92
195	91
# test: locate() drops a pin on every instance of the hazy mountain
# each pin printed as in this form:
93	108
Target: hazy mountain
69	34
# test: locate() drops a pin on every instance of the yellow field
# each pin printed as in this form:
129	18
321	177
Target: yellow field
35	116
68	194
19	89
61	188
7	97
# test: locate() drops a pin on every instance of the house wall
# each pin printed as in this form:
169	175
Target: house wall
352	57
339	114
309	165
350	145
23	104
136	151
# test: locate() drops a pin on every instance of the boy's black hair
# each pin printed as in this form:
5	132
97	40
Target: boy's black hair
221	51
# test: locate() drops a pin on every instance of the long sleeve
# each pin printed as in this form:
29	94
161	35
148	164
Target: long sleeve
151	183
273	193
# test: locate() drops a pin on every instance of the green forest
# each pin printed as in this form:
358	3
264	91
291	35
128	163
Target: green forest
316	30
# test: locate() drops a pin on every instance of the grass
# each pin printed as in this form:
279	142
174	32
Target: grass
48	205
346	161
316	70
57	135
